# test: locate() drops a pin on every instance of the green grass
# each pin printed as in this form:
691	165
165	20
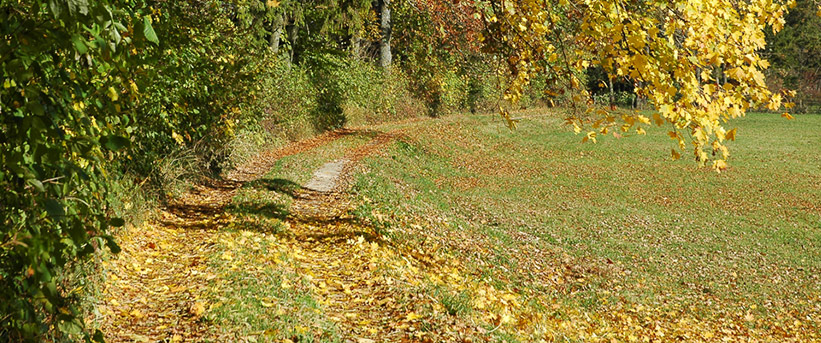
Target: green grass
618	220
587	227
248	299
254	300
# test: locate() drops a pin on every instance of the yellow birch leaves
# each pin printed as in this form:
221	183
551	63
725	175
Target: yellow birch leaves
696	61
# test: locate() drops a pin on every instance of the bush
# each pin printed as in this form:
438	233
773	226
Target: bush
64	116
621	99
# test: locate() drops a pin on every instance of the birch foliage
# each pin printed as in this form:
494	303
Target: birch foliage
698	62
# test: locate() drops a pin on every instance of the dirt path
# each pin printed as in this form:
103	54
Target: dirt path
325	178
361	281
155	287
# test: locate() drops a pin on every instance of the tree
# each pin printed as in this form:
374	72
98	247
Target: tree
276	33
679	51
90	90
794	53
385	41
68	92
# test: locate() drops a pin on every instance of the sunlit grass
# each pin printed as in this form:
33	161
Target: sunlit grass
624	220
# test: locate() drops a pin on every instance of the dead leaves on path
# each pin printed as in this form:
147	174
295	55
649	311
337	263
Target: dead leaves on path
156	287
324	275
367	288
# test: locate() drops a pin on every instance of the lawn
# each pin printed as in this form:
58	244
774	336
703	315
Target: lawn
617	224
490	234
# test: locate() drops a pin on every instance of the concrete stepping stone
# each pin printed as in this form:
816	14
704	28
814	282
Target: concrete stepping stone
325	178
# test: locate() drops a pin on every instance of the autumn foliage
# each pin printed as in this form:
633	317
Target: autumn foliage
698	62
95	94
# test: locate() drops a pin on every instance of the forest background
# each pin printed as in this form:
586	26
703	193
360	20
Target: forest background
111	107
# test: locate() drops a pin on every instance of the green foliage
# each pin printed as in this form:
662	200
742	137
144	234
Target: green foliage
200	84
287	100
347	88
164	92
794	53
97	89
325	70
66	70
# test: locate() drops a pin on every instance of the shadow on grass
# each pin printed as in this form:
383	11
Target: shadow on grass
312	214
270	205
282	186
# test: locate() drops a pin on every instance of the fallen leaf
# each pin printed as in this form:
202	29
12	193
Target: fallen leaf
265	304
197	309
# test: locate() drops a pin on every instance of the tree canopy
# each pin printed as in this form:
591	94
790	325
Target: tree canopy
93	90
698	62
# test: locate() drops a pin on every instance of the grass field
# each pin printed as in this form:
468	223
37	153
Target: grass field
574	242
616	223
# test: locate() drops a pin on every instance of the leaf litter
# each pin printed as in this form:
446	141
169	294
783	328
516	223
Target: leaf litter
367	288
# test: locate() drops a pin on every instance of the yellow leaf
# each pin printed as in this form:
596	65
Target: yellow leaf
509	297
552	93
675	154
197	309
643	119
266	305
730	135
787	115
112	93
666	110
592	136
506	318
412	316
133	86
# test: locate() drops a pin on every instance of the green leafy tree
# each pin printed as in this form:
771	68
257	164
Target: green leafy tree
794	53
66	98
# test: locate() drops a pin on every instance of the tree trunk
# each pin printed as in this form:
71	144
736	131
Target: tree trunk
385	42
612	93
723	75
292	34
276	34
356	46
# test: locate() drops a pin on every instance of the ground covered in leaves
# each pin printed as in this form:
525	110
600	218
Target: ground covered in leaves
458	230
